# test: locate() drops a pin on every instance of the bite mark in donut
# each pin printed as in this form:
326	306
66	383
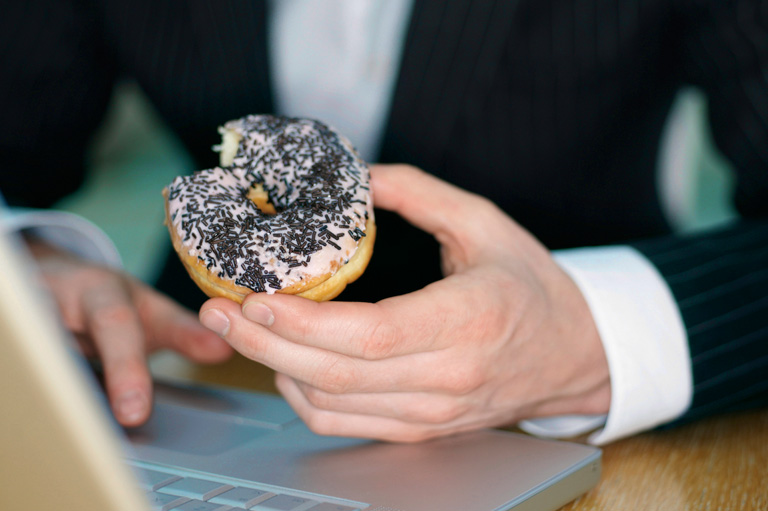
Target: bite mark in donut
288	211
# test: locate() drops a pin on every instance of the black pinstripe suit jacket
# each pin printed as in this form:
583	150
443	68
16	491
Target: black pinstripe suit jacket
552	108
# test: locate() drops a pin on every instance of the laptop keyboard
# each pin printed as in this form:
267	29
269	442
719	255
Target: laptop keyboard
167	491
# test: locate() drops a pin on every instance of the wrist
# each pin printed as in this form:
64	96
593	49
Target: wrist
67	232
589	390
642	334
572	374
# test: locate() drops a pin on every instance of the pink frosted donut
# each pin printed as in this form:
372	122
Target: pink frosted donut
288	211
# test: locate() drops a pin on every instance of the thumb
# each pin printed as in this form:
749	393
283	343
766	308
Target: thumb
425	201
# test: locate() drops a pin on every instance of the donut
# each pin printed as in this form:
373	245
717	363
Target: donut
288	210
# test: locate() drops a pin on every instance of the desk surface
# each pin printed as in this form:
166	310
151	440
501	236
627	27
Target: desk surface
716	464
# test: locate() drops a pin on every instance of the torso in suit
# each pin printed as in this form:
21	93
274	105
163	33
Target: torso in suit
553	109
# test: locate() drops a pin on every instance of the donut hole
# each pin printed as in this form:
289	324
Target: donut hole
230	143
259	196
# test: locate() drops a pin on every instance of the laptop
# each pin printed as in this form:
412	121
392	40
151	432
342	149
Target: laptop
213	448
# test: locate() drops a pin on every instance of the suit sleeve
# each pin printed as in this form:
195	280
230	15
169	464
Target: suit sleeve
719	279
56	82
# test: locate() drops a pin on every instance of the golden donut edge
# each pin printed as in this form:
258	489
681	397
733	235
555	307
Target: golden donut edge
320	288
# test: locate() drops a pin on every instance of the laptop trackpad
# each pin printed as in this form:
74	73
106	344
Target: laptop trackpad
203	422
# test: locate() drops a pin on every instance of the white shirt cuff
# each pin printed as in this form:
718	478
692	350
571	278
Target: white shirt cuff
644	340
65	230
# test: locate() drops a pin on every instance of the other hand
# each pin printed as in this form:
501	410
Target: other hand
506	335
120	320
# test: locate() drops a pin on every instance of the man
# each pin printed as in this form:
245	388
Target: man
552	110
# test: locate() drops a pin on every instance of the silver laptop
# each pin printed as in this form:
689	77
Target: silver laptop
210	449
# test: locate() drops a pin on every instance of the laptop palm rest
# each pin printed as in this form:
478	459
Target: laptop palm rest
257	437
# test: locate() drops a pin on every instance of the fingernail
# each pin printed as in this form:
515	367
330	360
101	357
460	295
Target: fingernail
215	320
259	313
131	406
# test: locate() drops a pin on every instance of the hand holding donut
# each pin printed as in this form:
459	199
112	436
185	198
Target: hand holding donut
506	335
119	320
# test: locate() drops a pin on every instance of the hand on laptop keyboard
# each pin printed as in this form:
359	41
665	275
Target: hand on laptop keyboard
119	320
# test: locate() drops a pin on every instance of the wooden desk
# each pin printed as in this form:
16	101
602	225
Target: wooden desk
716	464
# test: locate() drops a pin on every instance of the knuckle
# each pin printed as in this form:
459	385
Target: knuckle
439	414
91	276
379	341
494	326
302	329
254	347
127	374
317	398
463	379
494	321
115	314
338	377
319	423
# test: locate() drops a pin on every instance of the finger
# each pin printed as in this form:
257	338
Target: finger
412	323
330	371
225	318
413	407
115	327
345	327
325	422
170	326
470	229
431	204
416	195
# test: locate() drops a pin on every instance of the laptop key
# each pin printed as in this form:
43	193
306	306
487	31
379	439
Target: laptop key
242	497
152	479
195	488
285	503
327	506
161	502
199	505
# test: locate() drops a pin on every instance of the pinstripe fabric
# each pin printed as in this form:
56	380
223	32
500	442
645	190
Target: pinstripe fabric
551	108
552	111
719	280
